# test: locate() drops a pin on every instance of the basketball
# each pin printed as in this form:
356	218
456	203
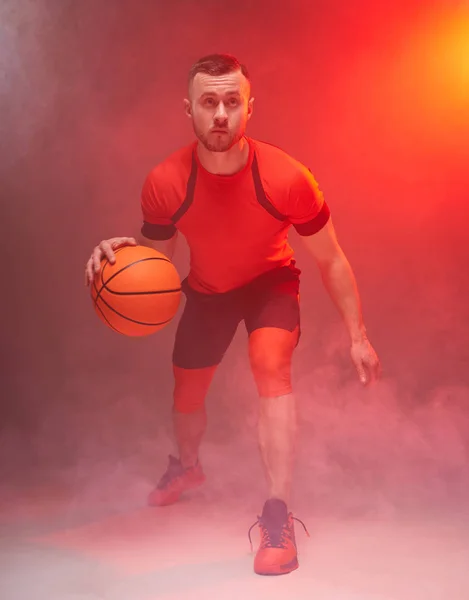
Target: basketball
139	294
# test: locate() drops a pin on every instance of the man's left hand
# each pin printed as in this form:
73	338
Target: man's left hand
366	361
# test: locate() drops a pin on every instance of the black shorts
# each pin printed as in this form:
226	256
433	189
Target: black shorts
209	321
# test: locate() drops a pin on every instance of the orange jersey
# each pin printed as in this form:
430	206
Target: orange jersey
236	226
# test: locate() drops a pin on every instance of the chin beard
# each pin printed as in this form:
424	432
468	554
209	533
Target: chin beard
216	147
221	145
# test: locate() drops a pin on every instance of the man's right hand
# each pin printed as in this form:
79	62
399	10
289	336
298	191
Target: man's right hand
105	249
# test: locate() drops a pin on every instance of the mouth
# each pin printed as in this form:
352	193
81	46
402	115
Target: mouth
219	131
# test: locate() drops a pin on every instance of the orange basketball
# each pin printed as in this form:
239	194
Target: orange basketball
139	294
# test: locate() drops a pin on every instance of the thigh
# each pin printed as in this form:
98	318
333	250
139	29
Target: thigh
272	301
272	319
205	330
270	355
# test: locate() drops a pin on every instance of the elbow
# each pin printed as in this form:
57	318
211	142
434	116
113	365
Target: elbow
333	261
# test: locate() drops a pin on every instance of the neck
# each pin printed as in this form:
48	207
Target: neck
224	163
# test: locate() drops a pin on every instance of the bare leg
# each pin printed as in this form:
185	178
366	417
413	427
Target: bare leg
189	429
270	351
189	415
277	433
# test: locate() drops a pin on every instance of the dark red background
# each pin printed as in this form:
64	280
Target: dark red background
375	100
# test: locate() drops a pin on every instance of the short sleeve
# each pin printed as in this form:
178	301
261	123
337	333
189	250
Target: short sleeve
157	223
307	209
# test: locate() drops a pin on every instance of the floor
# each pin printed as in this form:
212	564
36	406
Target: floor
55	549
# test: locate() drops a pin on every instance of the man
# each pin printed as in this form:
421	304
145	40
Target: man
234	199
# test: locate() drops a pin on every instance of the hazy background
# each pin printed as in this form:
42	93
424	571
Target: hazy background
376	101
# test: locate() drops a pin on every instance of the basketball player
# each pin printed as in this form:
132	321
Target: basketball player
234	199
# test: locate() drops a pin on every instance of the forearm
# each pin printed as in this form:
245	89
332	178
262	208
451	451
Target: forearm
339	280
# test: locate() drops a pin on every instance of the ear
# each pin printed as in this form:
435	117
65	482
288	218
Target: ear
187	108
250	107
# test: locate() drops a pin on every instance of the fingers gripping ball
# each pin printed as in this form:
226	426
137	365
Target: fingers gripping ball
139	294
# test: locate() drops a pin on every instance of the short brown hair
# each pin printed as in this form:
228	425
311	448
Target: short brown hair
217	64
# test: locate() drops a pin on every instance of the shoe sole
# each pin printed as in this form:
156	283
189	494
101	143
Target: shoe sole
279	569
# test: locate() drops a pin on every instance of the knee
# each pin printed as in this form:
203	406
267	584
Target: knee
268	361
187	403
271	371
190	389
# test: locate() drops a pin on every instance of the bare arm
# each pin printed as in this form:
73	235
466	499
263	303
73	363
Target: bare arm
338	278
339	281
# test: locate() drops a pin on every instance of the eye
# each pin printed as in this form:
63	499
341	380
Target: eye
209	102
233	101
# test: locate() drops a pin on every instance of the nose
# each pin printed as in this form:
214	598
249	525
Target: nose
220	116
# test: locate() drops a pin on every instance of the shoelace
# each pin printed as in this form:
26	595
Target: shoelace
169	477
173	471
266	534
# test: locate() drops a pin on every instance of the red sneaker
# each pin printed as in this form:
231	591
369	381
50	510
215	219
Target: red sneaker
277	553
174	482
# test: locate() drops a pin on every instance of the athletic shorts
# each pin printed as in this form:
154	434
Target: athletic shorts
209	321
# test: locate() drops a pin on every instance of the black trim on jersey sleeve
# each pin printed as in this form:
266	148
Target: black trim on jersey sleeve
316	224
165	231
158	232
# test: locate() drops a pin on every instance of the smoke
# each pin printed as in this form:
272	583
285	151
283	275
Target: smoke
92	100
